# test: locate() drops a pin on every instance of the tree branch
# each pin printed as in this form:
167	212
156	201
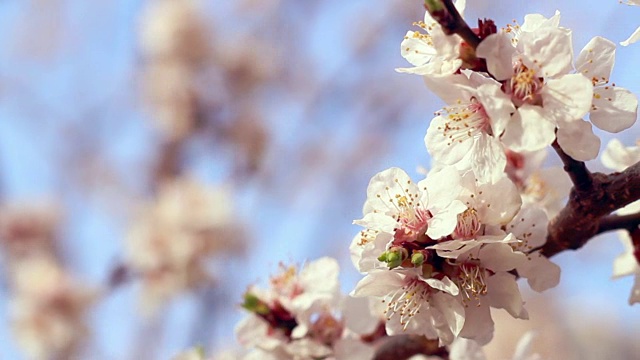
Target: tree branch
580	219
446	14
622	222
577	170
401	347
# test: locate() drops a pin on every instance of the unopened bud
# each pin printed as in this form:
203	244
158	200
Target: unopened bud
254	304
433	5
394	259
417	259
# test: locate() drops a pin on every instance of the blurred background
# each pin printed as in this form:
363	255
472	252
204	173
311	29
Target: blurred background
249	128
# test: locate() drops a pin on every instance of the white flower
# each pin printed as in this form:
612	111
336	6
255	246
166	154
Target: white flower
536	76
48	308
172	239
629	264
614	108
617	157
466	132
415	304
635	36
432	52
409	211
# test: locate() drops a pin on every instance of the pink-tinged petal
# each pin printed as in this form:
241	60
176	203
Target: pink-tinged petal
500	257
541	273
498	50
635	291
568	97
452	310
379	283
548	49
442	146
596	60
530	227
577	139
488	159
618	157
478	324
614	108
445	285
498	203
529	130
503	293
632	39
497	105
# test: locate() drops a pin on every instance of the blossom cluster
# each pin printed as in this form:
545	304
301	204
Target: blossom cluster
442	251
303	315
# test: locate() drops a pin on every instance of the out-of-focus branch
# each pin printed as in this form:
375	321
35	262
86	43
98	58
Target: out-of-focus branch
622	222
446	14
581	218
577	170
401	347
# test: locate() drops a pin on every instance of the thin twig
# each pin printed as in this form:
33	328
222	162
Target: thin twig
619	222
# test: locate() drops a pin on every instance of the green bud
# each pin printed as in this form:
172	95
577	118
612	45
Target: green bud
417	259
394	259
255	305
383	257
434	5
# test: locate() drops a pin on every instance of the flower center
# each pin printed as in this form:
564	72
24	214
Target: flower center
412	220
471	282
465	121
468	225
285	283
524	86
407	301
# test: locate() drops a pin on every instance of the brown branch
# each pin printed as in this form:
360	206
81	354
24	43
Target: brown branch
622	222
402	347
446	14
580	219
577	170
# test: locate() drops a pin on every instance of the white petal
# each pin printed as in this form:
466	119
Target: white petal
444	149
445	285
488	159
503	293
618	157
529	130
596	60
445	220
500	257
498	203
530	227
541	273
452	310
379	284
377	221
632	39
383	188
548	48
615	108
498	51
416	49
497	105
568	97
358	316
578	140
534	22
478	324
